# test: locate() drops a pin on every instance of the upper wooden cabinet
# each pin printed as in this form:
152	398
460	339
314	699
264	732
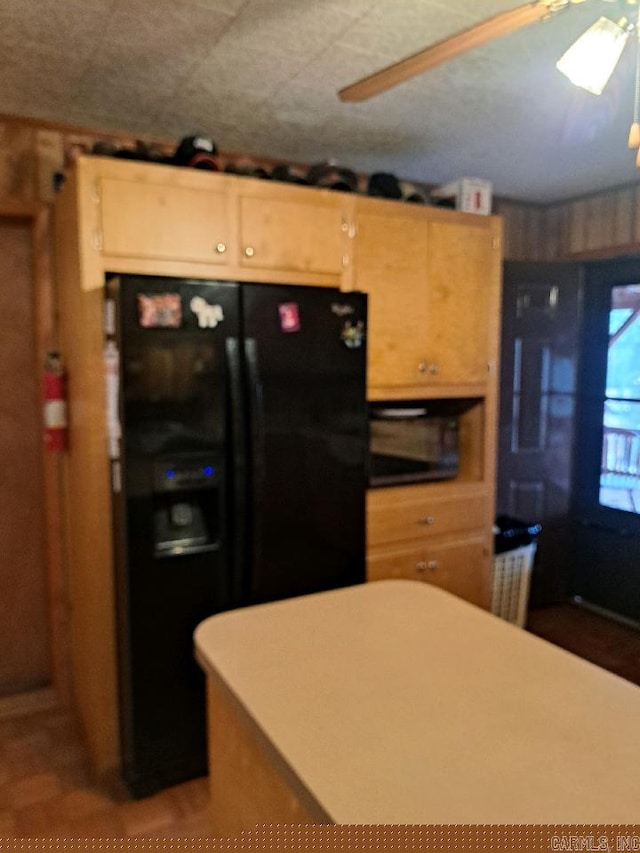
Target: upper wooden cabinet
154	219
463	279
291	228
163	221
433	279
390	264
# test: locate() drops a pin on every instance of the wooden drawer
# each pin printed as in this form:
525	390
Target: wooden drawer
396	519
462	566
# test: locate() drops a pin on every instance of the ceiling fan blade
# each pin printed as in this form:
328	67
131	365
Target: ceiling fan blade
442	51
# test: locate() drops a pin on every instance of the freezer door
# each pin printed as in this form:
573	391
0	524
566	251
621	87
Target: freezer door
173	334
171	538
305	362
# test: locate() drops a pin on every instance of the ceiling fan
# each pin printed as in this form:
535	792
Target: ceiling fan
451	47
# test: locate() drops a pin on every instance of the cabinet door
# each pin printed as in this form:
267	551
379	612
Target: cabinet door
291	228
464	281
404	562
460	566
163	221
391	266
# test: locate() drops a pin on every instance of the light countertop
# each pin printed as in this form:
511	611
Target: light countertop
395	702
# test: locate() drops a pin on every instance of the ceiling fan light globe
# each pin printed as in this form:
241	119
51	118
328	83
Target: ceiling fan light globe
592	58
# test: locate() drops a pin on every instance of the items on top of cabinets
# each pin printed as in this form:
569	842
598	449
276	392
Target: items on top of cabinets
199	152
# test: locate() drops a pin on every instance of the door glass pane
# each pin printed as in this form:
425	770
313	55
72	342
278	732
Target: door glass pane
620	468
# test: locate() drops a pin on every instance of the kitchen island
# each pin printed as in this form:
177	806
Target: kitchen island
397	703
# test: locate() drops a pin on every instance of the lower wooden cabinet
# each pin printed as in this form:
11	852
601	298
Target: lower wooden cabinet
459	566
439	534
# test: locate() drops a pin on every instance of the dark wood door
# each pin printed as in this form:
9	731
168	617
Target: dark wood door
540	341
24	628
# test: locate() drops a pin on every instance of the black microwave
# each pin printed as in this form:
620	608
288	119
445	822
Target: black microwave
414	441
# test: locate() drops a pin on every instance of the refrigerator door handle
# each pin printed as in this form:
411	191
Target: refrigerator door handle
256	439
238	464
256	409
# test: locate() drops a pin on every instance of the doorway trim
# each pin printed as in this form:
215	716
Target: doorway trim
37	216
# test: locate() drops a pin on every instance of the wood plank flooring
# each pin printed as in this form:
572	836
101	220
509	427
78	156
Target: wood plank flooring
45	790
608	644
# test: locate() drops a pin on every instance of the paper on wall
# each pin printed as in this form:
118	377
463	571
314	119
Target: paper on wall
112	389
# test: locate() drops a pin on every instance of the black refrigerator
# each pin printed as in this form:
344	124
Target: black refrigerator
237	428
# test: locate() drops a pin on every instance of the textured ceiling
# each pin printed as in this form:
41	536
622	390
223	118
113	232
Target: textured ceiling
261	76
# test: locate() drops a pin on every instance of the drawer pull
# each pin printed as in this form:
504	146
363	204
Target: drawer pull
433	565
221	248
249	251
427	521
421	566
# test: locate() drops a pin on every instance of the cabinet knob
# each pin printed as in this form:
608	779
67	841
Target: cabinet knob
249	251
433	565
434	368
428	520
221	248
421	566
349	228
422	367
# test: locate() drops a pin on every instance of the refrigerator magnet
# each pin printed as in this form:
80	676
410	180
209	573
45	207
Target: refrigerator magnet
289	317
342	309
159	311
208	315
352	335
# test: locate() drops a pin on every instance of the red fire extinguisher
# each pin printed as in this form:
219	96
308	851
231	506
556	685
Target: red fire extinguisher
54	403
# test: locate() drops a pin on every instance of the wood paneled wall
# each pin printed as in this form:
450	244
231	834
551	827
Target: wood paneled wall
40	505
32	152
601	225
24	657
596	226
524	229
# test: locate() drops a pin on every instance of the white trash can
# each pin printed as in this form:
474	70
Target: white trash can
511	583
